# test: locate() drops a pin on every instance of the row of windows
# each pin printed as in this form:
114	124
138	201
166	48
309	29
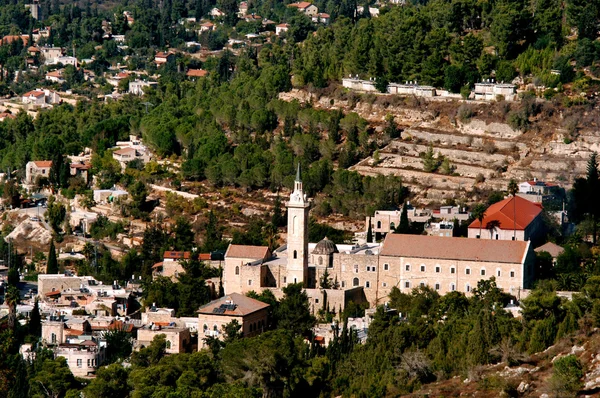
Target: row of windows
482	271
90	363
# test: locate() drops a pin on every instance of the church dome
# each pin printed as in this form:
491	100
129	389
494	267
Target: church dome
325	246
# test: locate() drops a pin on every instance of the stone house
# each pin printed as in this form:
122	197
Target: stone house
162	58
171	265
281	28
305	8
83	358
80	169
251	314
513	218
35	169
178	339
137	87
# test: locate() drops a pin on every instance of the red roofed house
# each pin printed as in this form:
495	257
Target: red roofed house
207	26
171	266
80	169
195	73
305	7
281	28
513	218
243	269
35	169
162	58
251	314
55	76
321	17
41	97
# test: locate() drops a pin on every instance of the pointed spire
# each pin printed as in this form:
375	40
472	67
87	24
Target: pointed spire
298	173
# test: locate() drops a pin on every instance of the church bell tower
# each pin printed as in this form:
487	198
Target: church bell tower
297	234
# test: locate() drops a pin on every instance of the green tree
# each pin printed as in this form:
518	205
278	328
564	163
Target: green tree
110	381
56	213
430	162
52	379
52	263
233	331
404	225
293	313
513	188
566	376
478	213
35	322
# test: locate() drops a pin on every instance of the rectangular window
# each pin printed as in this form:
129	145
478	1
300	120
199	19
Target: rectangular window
249	282
498	272
437	270
89	362
477	236
384	284
368	269
79	363
407	284
386	267
468	271
452	270
512	274
482	272
284	279
368	284
422	268
422	284
316	301
408	267
437	286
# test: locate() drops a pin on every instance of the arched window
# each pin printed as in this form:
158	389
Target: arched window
468	288
320	260
452	287
295	254
215	328
498	272
378	224
205	328
237	270
392	225
356	268
355	282
368	284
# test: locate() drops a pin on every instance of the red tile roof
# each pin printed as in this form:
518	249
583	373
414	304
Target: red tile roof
158	265
243	305
204	257
196	72
43	163
252	252
80	166
124	151
461	249
301	5
177	255
54	293
7	115
34	93
504	211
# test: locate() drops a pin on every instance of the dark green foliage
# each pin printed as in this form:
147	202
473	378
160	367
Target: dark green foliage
293	313
52	264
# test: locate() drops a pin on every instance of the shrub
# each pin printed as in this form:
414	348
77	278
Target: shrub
464	113
479	178
566	377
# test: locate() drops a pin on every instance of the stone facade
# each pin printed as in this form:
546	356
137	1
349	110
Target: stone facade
297	243
178	339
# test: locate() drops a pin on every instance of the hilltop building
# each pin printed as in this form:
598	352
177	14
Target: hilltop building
369	272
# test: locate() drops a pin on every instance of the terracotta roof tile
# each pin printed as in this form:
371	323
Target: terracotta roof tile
177	255
552	248
504	210
196	72
243	251
462	249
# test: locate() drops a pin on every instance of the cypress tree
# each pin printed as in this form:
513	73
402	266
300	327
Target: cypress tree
404	226
52	264
35	323
369	232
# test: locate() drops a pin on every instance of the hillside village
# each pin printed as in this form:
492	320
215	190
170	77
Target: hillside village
277	199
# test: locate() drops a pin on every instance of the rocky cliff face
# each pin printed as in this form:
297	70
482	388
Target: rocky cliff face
483	150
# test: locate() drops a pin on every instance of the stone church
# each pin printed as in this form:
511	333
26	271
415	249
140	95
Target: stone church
370	271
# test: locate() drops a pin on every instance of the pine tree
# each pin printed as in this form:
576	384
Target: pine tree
404	226
52	264
369	232
277	218
35	323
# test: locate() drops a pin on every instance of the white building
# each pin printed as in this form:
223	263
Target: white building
137	87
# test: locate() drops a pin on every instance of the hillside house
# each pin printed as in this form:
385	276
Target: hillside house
40	97
37	168
137	87
207	27
251	314
490	91
6	115
162	58
56	76
305	7
281	28
171	265
513	218
80	169
321	18
178	339
83	357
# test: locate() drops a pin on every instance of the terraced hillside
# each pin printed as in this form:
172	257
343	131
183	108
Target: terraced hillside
484	154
